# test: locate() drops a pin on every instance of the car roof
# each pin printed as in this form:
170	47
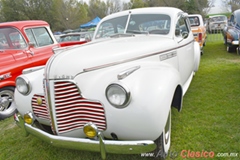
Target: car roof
22	24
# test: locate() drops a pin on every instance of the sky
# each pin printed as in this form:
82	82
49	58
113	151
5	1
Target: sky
219	7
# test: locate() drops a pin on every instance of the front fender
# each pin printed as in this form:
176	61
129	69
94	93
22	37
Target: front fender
23	102
152	88
197	56
232	35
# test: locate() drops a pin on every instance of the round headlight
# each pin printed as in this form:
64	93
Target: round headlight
117	95
22	85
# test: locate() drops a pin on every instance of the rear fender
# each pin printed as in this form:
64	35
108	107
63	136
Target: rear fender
197	56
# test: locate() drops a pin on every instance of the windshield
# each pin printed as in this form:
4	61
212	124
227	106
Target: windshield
218	18
10	38
238	19
138	24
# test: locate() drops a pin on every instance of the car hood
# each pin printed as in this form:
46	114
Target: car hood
100	54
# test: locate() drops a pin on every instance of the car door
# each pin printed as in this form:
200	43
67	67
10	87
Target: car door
13	55
12	45
184	39
41	45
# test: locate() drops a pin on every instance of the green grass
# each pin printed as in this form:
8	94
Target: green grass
209	120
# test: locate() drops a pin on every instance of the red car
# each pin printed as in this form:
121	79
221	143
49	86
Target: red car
23	44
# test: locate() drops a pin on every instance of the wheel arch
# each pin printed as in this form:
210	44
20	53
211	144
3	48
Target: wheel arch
7	84
177	98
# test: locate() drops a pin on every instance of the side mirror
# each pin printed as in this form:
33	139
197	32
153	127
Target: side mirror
31	44
184	34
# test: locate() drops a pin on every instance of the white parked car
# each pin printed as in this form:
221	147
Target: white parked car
116	91
216	23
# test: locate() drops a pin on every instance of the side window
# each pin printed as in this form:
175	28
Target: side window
31	36
3	41
182	28
11	38
232	20
39	36
17	40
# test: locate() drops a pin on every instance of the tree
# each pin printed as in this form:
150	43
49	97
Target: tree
70	14
234	4
10	11
126	6
114	6
196	6
60	14
97	8
138	3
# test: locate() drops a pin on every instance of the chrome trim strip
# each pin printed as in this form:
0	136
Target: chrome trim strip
127	72
49	103
133	59
168	55
29	70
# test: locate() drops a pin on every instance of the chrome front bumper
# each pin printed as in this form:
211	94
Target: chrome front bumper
99	145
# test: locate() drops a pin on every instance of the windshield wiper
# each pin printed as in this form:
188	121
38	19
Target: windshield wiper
137	31
117	35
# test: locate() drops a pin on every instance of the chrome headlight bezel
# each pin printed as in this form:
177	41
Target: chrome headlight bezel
122	95
23	85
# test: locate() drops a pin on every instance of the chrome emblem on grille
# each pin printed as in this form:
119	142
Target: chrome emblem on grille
39	101
67	77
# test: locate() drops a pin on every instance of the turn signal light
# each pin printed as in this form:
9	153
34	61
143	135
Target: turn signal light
28	118
90	130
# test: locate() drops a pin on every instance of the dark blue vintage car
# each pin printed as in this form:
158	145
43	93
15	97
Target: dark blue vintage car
231	32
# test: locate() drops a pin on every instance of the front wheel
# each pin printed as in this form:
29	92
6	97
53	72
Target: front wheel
7	107
231	49
163	141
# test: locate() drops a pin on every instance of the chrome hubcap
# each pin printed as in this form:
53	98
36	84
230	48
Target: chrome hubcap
6	99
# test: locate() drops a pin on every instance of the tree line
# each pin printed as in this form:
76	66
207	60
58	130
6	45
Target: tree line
70	14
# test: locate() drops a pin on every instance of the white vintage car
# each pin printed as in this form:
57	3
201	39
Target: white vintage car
114	94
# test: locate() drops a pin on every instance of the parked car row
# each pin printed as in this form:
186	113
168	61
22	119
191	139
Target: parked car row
231	32
230	29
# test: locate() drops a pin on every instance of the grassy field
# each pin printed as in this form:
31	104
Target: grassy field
209	122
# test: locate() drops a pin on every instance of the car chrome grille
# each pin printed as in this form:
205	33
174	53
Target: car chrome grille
73	111
40	111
